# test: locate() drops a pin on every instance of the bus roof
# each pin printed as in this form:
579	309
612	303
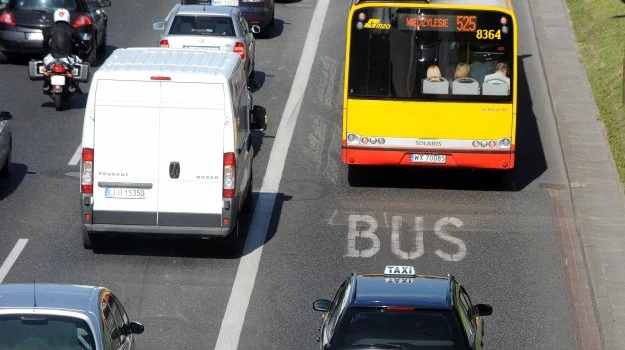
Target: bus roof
506	4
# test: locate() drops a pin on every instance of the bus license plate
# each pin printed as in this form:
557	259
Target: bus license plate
428	158
124	193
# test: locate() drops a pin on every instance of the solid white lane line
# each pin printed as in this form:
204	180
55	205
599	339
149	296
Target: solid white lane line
76	156
234	317
12	258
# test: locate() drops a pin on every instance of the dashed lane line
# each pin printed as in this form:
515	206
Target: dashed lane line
232	323
12	258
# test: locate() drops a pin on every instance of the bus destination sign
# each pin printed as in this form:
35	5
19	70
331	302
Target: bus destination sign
441	23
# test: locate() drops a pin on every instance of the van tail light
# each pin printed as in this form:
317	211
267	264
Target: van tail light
164	43
7	18
82	21
239	48
86	171
230	164
58	68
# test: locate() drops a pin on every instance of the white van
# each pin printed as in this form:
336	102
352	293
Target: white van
166	144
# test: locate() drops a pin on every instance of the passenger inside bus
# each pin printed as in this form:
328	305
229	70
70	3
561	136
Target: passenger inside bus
434	83
497	83
463	84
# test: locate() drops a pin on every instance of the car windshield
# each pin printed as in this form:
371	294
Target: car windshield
45	5
44	332
416	329
202	25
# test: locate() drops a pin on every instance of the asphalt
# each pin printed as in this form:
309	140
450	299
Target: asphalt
514	245
595	189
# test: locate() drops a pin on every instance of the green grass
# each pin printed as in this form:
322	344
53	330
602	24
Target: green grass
600	31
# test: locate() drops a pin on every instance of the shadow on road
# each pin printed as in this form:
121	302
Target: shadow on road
195	248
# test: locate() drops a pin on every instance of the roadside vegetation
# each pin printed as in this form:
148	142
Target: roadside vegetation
600	29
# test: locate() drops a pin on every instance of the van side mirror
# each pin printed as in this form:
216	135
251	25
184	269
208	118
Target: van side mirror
482	310
105	3
258	119
255	29
5	116
158	26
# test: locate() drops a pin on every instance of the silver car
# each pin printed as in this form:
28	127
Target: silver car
6	144
221	28
59	316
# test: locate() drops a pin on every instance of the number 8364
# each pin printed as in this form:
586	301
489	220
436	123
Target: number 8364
488	34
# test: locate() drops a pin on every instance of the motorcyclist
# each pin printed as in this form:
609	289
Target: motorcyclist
59	40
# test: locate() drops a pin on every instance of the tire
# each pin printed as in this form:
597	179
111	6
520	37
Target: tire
91	241
102	47
58	101
93	55
5	172
230	244
249	203
356	175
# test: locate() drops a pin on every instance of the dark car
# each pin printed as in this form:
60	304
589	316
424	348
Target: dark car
256	12
401	310
22	23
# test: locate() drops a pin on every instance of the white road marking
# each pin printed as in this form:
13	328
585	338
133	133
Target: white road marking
76	157
234	317
12	258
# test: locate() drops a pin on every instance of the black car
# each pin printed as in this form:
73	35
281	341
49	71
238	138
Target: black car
256	12
22	23
401	310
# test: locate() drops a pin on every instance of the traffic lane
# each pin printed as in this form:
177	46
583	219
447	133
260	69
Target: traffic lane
511	259
508	263
188	314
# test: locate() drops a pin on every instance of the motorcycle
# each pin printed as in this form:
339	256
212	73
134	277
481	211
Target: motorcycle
61	78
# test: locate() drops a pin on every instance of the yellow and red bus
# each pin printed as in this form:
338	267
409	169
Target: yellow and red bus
460	114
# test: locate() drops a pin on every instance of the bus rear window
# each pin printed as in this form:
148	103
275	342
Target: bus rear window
429	54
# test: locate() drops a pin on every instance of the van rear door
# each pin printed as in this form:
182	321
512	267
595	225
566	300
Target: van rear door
126	153
192	122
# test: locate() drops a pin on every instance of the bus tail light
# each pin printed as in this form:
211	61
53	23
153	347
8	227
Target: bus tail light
230	163
86	171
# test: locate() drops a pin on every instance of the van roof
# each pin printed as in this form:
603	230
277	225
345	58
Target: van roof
190	65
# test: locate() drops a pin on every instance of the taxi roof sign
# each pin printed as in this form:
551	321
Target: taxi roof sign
403	271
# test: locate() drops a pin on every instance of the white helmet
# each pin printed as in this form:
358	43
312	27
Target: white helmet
61	15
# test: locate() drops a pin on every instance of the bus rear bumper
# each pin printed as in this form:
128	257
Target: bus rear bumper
454	159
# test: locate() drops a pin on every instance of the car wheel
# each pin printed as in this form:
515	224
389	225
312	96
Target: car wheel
248	204
229	245
93	56
91	240
5	172
102	47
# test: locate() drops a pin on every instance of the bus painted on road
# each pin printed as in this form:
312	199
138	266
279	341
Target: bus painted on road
430	83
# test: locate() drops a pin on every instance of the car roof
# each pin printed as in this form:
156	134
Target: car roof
422	292
205	10
48	296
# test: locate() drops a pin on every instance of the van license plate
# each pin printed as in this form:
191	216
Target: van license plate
57	80
428	158
124	193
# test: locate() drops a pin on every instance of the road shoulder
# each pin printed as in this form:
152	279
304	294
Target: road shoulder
596	191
